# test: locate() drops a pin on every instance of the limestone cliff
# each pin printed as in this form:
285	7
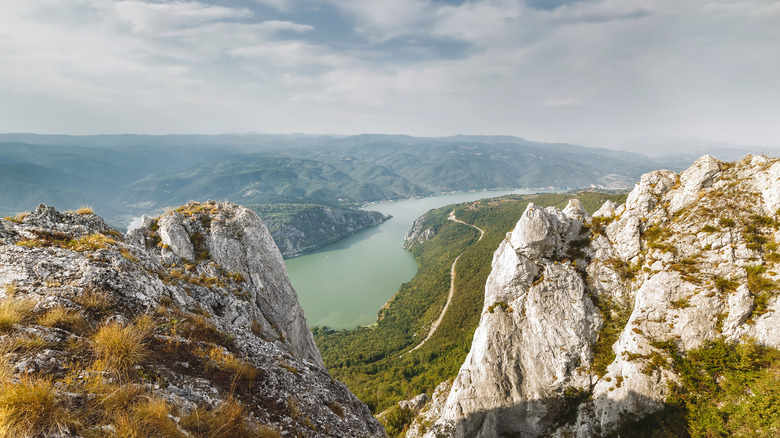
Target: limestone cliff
418	233
302	228
221	343
688	259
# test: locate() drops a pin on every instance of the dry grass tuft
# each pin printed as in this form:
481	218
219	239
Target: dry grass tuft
128	255
218	358
119	348
91	242
45	239
146	324
26	343
10	290
150	417
64	318
85	210
5	366
113	397
13	312
18	217
30	408
95	301
336	408
227	421
198	328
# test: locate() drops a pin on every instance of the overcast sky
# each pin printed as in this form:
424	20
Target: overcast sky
593	72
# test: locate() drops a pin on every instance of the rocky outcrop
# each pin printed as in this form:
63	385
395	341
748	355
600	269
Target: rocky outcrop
302	228
688	259
535	332
418	233
205	288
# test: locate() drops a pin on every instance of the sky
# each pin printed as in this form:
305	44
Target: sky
592	72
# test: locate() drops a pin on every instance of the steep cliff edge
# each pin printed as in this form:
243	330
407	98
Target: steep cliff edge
587	321
188	326
302	228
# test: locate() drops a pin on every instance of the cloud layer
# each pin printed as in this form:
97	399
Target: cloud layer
589	71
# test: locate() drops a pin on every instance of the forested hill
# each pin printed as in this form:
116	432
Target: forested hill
125	176
122	177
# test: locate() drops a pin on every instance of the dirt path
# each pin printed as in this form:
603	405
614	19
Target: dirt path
436	323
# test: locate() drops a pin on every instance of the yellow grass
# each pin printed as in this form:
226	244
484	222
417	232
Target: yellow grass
150	417
92	242
18	217
227	421
95	301
64	318
30	408
119	348
13	312
217	357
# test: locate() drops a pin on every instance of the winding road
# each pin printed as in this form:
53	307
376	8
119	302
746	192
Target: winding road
436	323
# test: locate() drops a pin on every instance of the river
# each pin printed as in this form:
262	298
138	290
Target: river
345	284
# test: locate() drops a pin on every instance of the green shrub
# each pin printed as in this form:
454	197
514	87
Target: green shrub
727	222
726	285
615	319
396	420
598	225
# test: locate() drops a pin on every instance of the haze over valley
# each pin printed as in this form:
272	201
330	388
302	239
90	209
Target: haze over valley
122	177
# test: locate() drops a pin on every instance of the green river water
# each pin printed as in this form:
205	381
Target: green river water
345	284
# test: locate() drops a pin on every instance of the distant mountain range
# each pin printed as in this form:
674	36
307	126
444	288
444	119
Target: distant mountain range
122	176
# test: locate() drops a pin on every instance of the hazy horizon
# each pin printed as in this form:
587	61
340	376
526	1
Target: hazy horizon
654	147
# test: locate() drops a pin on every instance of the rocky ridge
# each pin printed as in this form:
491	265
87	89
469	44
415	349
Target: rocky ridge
299	229
581	314
203	290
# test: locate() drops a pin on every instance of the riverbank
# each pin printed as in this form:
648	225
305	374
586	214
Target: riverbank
344	285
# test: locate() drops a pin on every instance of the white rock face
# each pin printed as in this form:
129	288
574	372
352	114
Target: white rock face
535	332
173	234
646	194
671	267
696	177
237	241
624	233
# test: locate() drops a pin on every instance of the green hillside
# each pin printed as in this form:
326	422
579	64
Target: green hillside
132	175
125	176
256	179
20	184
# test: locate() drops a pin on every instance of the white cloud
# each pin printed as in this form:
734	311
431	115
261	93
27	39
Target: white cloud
164	17
588	71
382	20
290	54
279	5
